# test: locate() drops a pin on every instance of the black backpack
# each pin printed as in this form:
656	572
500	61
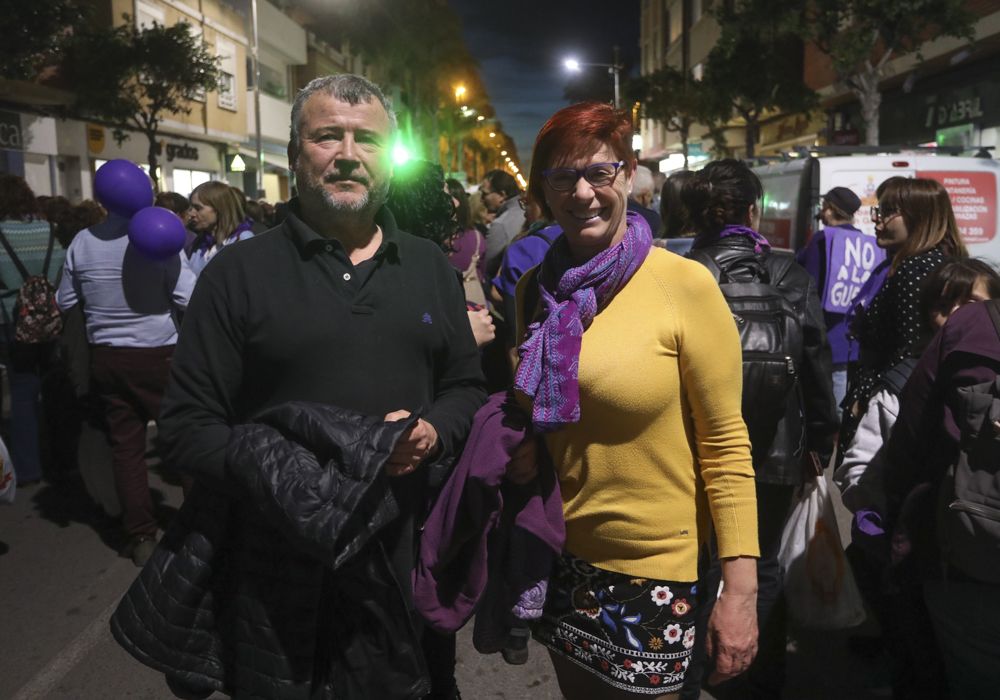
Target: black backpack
968	513
772	341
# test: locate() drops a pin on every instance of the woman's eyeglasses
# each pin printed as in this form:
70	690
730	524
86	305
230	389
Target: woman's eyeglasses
597	174
881	214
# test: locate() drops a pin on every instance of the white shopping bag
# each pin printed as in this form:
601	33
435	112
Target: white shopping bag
819	584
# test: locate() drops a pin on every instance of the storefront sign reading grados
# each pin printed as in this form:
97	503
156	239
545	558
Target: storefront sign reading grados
179	151
974	199
10	131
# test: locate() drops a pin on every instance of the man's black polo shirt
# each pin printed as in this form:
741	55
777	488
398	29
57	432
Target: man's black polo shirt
285	316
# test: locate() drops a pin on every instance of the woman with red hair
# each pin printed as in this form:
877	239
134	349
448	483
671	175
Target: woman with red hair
630	365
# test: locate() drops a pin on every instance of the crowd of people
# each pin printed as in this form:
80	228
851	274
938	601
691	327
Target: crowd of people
319	376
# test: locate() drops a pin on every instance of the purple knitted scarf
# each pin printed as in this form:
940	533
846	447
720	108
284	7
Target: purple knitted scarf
571	297
759	242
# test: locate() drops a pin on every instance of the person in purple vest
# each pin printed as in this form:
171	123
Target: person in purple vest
841	258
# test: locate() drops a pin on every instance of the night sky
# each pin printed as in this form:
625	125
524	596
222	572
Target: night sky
520	46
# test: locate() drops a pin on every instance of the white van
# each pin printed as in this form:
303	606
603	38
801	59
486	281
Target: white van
793	188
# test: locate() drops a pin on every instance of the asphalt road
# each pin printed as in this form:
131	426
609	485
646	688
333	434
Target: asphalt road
61	577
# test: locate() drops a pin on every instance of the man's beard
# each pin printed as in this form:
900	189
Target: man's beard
371	200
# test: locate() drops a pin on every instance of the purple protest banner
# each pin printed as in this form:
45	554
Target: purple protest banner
851	257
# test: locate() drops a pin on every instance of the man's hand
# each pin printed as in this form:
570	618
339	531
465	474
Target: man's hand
414	446
482	327
523	464
732	628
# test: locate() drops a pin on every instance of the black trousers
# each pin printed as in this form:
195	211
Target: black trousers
766	676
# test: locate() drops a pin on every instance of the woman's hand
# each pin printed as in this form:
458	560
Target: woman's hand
523	465
732	628
482	327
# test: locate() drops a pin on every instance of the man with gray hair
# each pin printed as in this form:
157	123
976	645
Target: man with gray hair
641	199
336	307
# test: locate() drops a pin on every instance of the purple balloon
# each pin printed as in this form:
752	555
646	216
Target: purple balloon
157	233
122	187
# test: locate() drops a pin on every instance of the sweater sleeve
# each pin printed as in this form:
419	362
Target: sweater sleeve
711	366
811	258
181	293
198	411
460	388
67	295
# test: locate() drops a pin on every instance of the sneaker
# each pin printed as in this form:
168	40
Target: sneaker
141	548
515	649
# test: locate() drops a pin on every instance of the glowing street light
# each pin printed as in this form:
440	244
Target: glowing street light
480	118
401	153
614	69
459	92
503	153
493	134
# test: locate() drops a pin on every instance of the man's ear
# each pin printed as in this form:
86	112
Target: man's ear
293	155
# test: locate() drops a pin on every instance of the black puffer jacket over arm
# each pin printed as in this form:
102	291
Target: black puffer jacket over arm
281	588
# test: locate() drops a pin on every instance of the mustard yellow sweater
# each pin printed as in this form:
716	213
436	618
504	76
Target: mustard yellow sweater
661	448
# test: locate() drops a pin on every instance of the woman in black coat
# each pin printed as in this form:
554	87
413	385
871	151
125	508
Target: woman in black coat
724	201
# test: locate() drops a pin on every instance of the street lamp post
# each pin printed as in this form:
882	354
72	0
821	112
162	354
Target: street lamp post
256	99
614	69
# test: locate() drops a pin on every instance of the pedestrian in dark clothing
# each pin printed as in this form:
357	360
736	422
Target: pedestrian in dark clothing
841	258
915	225
724	201
640	200
130	305
29	249
336	306
925	446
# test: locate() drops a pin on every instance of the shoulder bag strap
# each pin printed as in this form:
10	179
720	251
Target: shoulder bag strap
48	253
13	256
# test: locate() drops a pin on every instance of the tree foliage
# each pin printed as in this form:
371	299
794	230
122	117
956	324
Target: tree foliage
33	33
134	78
757	63
417	46
678	101
862	36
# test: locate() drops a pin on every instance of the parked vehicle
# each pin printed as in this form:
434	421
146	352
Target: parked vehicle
793	189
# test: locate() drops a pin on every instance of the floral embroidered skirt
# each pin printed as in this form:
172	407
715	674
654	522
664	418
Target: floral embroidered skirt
636	634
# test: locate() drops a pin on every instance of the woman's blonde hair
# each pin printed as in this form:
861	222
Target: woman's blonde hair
228	207
926	210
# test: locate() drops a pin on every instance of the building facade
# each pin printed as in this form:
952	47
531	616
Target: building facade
950	96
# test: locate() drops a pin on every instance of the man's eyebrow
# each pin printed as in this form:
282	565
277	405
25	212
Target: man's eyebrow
326	128
369	132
